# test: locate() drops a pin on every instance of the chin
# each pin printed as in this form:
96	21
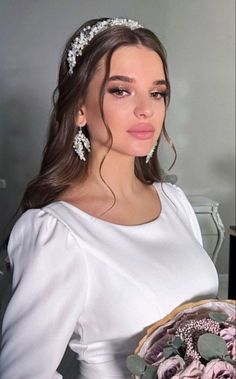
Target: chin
142	153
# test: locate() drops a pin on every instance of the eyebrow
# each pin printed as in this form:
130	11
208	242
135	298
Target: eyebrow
132	80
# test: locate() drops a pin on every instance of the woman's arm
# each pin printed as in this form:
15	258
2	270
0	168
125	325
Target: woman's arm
48	292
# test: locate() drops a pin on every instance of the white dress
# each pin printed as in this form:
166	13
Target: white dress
97	285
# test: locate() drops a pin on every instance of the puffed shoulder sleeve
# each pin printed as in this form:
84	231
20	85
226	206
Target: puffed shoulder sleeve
186	210
48	294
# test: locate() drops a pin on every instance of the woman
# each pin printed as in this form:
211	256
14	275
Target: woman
104	248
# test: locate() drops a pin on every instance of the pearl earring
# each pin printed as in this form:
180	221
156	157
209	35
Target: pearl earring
81	142
150	154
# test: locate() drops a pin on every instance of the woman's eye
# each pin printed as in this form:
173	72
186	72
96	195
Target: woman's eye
119	92
158	95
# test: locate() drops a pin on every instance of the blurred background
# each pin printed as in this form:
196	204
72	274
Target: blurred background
200	42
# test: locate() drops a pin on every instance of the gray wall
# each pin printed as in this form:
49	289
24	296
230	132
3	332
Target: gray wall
199	38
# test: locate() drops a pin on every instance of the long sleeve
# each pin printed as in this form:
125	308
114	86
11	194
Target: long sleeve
48	294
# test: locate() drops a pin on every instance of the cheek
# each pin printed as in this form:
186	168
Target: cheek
161	111
112	108
93	113
116	115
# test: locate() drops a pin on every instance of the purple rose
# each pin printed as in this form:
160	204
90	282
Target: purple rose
154	354
170	367
217	369
194	371
229	336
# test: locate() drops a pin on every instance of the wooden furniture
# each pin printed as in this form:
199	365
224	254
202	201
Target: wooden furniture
232	262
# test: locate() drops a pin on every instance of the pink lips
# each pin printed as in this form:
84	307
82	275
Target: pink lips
141	131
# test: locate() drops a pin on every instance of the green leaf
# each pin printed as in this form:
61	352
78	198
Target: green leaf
177	342
135	364
150	373
218	316
211	346
169	351
230	360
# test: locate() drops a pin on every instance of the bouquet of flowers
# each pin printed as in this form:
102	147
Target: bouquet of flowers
196	340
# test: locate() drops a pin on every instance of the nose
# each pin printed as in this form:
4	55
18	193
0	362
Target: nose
143	107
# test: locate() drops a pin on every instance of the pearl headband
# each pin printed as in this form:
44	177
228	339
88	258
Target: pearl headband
89	32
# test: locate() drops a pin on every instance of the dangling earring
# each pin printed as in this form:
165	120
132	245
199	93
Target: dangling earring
150	154
81	142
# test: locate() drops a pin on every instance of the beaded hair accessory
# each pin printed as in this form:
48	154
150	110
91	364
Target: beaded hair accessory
89	32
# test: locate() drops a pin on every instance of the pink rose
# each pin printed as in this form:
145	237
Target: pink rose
229	335
194	370
170	367
217	369
231	346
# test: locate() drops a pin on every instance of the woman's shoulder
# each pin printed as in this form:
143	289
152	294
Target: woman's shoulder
174	192
34	218
29	220
175	195
47	216
36	228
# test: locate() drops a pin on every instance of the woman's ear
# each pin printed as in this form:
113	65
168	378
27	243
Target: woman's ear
81	118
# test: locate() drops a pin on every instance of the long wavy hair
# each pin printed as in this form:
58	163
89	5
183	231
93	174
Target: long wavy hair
60	165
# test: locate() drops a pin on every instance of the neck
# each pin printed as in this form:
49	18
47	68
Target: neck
116	171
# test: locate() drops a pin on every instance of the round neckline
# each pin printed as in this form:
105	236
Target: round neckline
100	220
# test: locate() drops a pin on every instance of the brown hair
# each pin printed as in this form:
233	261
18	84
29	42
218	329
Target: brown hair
60	165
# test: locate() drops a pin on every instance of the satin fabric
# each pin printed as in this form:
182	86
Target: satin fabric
97	285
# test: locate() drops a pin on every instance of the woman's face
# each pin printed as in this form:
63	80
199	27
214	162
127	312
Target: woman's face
134	106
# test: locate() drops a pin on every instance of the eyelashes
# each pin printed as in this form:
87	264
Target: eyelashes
121	92
159	94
